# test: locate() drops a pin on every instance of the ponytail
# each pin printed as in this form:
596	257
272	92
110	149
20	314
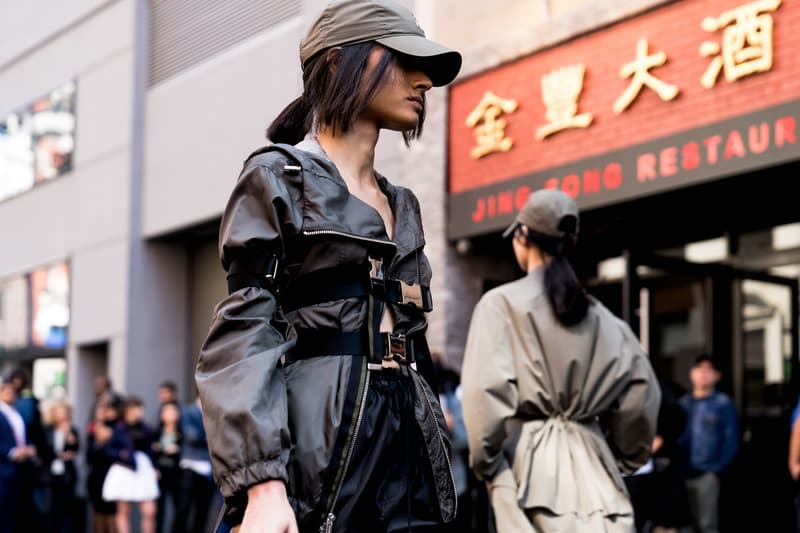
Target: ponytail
565	293
293	123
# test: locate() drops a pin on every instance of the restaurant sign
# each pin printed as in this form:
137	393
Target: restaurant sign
709	109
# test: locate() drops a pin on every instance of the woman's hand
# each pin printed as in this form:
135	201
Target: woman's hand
794	470
268	510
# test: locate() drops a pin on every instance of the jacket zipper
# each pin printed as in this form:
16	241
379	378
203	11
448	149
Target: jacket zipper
444	448
316	232
327	526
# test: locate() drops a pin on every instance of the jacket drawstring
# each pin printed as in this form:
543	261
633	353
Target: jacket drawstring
409	418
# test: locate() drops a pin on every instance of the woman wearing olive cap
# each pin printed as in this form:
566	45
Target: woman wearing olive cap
317	417
543	362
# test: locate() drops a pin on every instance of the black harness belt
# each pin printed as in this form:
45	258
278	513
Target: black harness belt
353	282
390	346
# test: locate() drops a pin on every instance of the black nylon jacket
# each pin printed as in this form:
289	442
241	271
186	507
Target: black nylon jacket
295	422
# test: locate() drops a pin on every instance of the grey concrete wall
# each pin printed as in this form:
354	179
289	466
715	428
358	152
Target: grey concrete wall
202	124
31	24
83	216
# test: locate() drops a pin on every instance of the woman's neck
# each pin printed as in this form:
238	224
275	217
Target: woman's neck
536	259
170	427
353	152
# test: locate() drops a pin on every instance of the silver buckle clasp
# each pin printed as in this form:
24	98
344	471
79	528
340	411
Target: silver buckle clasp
376	271
395	347
412	294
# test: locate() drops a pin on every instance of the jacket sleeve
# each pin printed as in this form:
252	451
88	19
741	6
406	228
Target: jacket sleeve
489	387
730	437
239	375
632	420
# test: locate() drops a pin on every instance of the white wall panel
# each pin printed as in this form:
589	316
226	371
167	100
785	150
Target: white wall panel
66	56
102	188
99	293
105	98
25	24
202	124
36	227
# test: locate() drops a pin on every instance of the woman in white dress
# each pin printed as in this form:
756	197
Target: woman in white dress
132	478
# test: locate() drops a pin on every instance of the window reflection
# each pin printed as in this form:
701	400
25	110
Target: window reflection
37	142
13	313
34	309
50	306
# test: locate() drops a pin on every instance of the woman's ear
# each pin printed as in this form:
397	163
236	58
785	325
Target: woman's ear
332	58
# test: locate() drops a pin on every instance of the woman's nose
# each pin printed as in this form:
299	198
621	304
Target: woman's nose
421	81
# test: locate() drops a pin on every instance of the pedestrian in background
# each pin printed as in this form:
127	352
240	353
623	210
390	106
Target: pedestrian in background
709	442
167	452
167	394
543	363
99	431
35	505
658	492
61	447
132	479
103	391
195	483
794	459
15	452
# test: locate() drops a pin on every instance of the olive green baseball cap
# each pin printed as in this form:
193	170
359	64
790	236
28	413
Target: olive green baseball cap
386	22
549	212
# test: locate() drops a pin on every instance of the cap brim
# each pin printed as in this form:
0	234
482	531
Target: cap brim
510	230
440	63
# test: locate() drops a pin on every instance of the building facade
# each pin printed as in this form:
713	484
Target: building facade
123	124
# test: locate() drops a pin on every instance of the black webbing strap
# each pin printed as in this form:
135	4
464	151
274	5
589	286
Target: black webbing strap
344	282
338	283
353	343
327	342
257	270
326	285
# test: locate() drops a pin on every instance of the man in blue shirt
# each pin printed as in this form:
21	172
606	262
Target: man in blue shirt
709	442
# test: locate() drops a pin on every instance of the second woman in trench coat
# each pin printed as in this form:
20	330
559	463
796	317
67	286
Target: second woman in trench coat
543	364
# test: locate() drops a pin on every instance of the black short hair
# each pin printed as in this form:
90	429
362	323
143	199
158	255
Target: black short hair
132	401
168	385
706	358
22	375
335	93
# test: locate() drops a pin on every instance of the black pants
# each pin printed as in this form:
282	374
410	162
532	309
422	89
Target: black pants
389	484
168	490
8	504
193	502
62	509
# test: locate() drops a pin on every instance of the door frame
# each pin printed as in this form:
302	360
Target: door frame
726	305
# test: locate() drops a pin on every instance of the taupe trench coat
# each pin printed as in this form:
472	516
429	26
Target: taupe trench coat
533	395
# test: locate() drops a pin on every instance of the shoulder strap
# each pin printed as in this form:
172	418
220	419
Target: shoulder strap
297	159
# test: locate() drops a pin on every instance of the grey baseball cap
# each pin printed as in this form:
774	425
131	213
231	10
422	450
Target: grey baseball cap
548	211
386	22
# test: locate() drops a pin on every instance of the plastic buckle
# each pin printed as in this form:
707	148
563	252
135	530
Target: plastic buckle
411	294
376	279
272	269
395	347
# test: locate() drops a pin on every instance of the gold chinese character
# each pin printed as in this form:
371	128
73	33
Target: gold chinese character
746	42
560	91
491	135
639	68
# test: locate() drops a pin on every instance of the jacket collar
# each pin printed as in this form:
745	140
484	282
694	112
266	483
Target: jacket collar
408	234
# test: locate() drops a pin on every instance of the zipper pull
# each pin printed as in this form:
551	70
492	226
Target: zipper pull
327	526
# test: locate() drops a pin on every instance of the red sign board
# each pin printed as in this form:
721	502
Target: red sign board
569	118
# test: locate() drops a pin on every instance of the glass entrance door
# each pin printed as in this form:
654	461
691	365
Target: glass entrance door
749	322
